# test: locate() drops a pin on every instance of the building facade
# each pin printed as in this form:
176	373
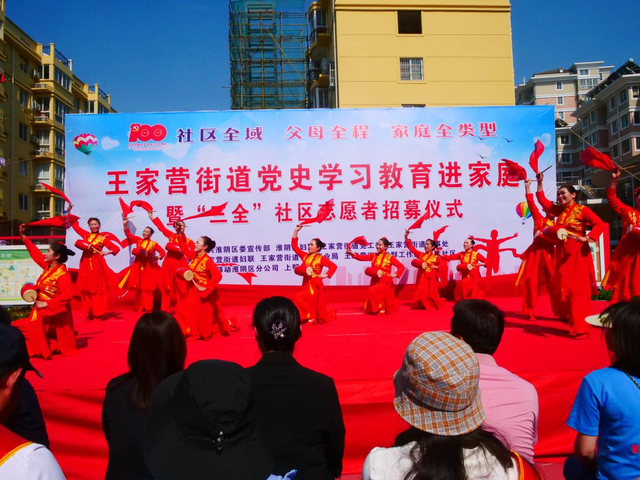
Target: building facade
37	90
566	89
409	53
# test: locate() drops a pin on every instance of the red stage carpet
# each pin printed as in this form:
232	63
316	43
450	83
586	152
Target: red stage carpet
360	352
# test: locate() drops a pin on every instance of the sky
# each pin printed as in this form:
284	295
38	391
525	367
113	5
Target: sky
168	55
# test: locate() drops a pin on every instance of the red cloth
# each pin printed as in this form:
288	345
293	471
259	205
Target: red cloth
623	274
173	289
381	294
469	286
312	300
49	330
94	275
573	262
427	294
594	158
538	150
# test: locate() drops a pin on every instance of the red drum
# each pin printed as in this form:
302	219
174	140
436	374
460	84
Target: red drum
83	245
556	234
303	271
29	293
185	274
173	247
634	232
373	272
417	263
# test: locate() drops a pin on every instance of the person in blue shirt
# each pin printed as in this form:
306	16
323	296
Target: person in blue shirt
606	411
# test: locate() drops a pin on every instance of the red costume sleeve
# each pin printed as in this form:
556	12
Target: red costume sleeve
548	206
364	258
417	253
159	250
164	230
133	240
533	208
331	267
597	225
482	259
79	230
616	205
400	268
455	256
65	295
215	274
36	254
187	247
297	249
111	245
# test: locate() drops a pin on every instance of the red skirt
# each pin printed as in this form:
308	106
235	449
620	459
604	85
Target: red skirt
381	296
312	302
427	293
623	275
168	280
94	275
143	275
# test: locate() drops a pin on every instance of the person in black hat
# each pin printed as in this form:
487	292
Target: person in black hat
21	459
201	425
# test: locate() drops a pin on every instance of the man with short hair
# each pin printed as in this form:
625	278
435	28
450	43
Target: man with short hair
510	403
19	458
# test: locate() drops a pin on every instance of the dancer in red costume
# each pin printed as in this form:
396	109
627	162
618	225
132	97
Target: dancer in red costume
573	262
49	327
382	298
171	287
623	275
198	314
94	275
469	268
430	267
144	273
537	265
312	301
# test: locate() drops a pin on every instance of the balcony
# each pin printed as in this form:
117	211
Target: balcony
43	118
42	87
319	35
321	73
43	151
38	188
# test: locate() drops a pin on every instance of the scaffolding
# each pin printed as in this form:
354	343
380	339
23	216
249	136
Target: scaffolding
267	47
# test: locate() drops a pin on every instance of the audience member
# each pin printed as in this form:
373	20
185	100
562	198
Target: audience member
509	402
20	459
202	425
606	407
157	350
297	409
437	393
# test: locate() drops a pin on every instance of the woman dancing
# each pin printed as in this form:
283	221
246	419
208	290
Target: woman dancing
49	328
94	275
469	268
199	314
537	265
173	290
573	262
382	299
429	266
143	274
623	275
312	301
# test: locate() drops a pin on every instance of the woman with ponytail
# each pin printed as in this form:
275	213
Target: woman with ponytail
49	328
312	300
382	299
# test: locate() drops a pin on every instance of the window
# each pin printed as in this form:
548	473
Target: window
623	97
62	109
102	108
558	85
42	172
635	91
565	158
614	127
411	69
561	115
612	103
23	200
23	132
91	107
43	205
59	143
43	139
636	118
62	78
594	139
588	83
59	172
583	71
24	64
24	167
59	205
637	141
615	151
44	105
626	146
560	100
592	116
45	72
564	140
23	98
413	105
409	22
624	121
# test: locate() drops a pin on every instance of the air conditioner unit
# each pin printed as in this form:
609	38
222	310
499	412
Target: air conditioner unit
35	73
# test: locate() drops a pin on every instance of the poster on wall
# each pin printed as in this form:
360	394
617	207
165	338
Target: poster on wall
257	174
16	269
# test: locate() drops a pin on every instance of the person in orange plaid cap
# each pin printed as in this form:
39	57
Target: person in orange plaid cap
382	298
623	274
49	328
432	269
437	393
312	300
